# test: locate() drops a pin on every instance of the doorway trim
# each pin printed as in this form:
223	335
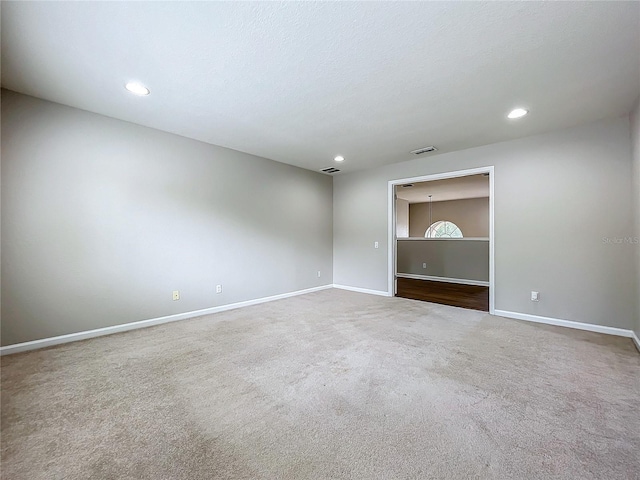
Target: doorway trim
392	253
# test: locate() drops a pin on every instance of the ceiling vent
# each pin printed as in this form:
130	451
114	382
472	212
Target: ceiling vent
422	150
330	170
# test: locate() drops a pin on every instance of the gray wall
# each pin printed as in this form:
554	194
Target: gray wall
635	143
402	218
103	219
471	215
461	259
556	196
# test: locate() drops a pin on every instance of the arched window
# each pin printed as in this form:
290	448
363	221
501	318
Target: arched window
443	229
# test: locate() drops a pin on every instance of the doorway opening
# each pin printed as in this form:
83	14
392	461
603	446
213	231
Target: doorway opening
441	246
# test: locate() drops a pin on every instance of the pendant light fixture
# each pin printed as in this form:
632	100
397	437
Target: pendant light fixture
430	222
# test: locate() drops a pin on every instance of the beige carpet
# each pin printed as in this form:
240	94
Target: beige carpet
330	385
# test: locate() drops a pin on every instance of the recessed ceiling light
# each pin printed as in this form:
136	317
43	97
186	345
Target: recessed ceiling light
137	88
339	158
517	113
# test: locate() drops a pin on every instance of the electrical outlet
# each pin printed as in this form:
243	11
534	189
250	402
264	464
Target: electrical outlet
218	288
318	273
376	244
535	296
424	265
176	295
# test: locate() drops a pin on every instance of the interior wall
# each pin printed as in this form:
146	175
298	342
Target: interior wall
556	196
103	219
402	218
459	259
471	215
635	146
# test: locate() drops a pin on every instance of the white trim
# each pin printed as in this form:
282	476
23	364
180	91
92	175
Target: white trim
392	249
391	237
492	242
444	239
443	175
99	332
381	293
635	339
621	332
461	281
391	225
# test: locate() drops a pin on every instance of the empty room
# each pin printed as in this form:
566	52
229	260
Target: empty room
206	220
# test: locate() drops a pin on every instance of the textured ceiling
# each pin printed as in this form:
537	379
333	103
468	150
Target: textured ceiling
471	186
300	82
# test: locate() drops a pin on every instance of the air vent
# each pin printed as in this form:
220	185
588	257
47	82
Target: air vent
330	170
422	150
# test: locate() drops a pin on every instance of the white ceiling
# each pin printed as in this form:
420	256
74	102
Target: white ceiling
300	82
471	186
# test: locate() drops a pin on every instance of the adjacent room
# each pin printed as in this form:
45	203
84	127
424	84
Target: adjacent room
442	241
320	240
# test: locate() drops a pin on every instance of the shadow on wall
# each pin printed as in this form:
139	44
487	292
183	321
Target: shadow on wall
460	259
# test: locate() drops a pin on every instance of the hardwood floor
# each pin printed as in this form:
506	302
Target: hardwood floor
465	296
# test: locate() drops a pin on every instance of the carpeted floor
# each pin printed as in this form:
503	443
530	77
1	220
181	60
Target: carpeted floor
329	385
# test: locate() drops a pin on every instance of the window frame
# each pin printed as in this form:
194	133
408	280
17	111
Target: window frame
435	226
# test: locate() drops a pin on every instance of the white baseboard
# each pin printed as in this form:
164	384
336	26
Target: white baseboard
621	332
99	332
460	281
636	340
74	337
362	290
